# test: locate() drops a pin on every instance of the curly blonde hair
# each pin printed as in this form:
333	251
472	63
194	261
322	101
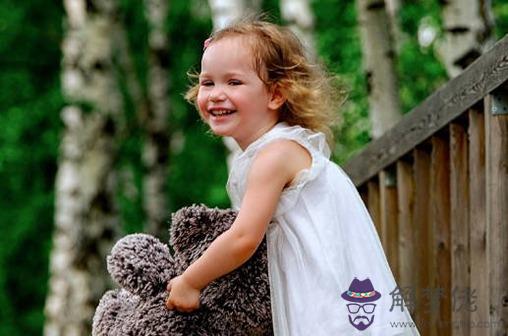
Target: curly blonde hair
312	95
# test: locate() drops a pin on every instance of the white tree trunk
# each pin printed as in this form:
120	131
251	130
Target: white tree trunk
468	32
379	65
225	12
392	8
86	219
156	142
298	15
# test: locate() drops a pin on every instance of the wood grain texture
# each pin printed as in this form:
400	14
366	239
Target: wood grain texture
389	225
497	210
440	222
477	217
373	205
459	94
406	240
459	221
422	235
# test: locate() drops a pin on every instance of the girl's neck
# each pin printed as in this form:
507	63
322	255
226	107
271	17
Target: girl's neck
262	132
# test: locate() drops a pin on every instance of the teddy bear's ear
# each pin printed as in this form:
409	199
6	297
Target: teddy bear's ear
141	264
198	225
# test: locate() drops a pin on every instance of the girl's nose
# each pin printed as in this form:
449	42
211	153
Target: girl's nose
217	94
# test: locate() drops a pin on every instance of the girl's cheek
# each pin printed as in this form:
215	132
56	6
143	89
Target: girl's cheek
201	101
202	107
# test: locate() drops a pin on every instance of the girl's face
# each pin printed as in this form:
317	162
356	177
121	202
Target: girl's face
232	98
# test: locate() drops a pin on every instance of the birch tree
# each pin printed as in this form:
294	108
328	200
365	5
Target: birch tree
299	17
156	142
468	32
225	12
86	217
379	65
392	8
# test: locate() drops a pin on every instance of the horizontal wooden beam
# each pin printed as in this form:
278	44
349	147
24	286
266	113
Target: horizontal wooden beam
483	76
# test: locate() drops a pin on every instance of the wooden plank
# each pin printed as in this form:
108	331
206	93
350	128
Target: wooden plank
389	225
459	222
497	210
422	238
477	217
440	220
407	243
459	94
373	204
364	194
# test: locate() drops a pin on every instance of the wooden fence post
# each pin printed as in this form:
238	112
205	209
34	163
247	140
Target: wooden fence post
459	225
477	220
373	205
422	235
407	243
496	127
389	225
440	291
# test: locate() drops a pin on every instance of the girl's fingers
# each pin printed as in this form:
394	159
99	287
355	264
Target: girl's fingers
185	310
169	305
168	287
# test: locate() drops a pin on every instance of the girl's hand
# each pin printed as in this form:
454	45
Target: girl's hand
182	296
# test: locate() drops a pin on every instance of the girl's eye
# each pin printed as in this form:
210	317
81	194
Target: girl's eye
206	83
235	82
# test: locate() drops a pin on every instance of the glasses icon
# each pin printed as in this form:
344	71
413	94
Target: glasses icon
354	308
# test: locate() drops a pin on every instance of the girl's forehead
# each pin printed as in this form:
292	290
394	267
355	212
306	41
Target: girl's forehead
230	50
242	42
238	37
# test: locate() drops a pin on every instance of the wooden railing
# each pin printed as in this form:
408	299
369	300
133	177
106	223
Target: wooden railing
436	186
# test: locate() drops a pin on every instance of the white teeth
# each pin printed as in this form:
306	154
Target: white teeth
221	112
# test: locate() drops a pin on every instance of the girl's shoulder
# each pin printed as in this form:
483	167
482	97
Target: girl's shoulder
284	147
283	156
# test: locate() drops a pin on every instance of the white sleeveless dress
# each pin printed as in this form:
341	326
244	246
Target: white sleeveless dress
321	238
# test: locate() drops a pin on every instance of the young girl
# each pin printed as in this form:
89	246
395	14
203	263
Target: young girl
328	274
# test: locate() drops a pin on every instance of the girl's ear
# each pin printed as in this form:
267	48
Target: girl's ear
276	99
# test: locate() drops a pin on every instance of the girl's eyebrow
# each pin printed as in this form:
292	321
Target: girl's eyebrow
226	74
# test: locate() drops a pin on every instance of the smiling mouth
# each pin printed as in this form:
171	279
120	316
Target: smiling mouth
219	113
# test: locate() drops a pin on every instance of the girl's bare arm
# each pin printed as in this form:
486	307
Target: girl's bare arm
274	168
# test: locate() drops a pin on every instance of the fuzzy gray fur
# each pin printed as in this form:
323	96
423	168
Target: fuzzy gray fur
235	304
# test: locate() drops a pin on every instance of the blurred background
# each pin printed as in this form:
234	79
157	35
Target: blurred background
97	141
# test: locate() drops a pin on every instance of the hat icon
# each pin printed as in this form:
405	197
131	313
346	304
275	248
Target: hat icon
361	291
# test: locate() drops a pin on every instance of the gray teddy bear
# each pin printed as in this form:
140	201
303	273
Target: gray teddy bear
235	304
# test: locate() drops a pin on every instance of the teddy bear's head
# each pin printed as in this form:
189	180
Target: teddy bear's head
194	228
235	304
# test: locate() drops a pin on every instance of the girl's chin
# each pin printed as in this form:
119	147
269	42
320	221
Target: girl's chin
220	128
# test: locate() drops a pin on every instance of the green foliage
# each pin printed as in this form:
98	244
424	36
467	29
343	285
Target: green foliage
338	45
418	82
198	160
30	102
500	8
